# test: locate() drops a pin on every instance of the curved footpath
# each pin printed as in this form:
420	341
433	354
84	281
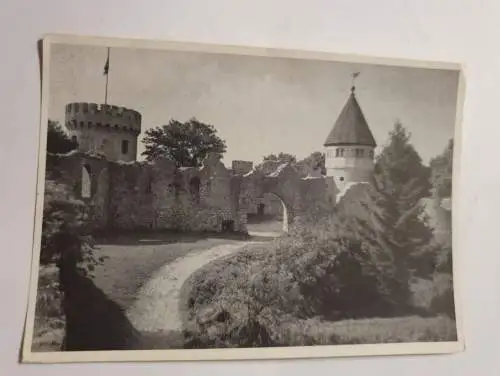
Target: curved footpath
157	305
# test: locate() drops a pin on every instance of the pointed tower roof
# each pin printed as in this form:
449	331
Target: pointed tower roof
351	127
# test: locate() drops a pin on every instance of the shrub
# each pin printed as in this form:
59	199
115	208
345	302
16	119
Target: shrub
435	296
66	252
66	239
245	299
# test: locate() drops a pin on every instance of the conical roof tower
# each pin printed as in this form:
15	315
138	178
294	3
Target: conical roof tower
349	147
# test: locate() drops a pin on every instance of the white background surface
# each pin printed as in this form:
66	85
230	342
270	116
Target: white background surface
453	30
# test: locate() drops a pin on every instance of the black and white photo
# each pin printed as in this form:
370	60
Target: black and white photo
201	202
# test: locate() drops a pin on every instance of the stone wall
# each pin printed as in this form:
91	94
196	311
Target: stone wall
143	195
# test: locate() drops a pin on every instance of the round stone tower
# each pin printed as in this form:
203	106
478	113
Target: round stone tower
349	148
106	129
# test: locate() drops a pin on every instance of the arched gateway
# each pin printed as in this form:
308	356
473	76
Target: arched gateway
298	194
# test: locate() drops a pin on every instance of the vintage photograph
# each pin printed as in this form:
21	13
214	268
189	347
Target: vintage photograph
214	202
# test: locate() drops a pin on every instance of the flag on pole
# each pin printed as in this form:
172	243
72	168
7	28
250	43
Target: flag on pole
106	66
106	73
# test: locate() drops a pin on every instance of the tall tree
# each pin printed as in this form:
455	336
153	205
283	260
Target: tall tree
442	171
401	181
185	143
57	139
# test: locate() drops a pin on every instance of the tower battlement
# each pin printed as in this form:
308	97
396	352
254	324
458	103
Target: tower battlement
87	115
107	129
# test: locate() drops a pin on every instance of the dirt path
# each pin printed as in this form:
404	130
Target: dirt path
157	305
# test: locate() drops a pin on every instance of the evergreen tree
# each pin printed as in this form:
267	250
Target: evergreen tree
401	181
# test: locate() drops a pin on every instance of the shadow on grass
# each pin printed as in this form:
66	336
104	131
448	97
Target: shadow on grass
93	321
96	323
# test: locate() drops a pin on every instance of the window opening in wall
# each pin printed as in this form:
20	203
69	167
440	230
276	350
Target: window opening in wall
339	152
261	209
194	189
124	146
341	178
86	182
371	154
359	152
149	186
74	139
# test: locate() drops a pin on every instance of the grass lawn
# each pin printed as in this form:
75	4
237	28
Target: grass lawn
375	330
131	262
390	330
274	226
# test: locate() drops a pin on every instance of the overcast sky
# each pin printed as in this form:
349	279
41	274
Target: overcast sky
259	105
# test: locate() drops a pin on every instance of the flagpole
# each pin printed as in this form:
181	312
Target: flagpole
106	72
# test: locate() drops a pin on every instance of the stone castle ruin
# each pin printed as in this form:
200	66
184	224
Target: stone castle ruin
126	194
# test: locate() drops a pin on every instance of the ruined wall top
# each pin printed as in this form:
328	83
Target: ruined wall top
241	167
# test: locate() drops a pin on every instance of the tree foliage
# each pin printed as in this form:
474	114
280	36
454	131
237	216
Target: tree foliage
57	139
281	157
442	172
399	169
66	240
401	181
315	161
187	144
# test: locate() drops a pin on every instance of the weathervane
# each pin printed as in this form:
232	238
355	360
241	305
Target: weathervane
354	75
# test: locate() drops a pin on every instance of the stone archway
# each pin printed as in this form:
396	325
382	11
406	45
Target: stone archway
283	183
269	214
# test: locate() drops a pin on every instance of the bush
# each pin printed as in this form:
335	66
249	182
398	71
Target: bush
66	239
245	299
435	296
49	297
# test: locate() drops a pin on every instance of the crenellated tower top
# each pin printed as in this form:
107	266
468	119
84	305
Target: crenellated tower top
107	129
